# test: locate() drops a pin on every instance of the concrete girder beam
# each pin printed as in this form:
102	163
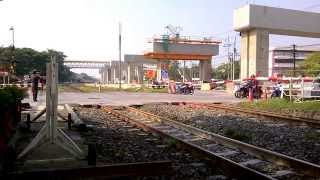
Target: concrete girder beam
255	23
277	21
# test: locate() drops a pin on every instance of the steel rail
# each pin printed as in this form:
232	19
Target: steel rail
309	121
157	168
300	166
230	167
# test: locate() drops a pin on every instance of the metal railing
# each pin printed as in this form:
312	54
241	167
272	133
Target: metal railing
298	92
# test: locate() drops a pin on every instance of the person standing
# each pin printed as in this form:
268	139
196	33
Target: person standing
35	82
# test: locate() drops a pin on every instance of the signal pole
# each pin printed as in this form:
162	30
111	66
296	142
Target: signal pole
12	63
120	55
234	56
228	70
294	59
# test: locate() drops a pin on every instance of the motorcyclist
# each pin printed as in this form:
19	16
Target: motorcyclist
189	88
185	88
277	90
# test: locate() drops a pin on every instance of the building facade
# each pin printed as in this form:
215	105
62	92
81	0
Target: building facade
281	59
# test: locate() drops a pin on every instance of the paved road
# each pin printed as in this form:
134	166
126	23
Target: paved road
125	98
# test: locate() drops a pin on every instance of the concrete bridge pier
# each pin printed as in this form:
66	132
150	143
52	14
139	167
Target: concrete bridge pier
139	73
254	53
108	76
102	77
205	70
159	71
129	73
256	22
114	72
105	76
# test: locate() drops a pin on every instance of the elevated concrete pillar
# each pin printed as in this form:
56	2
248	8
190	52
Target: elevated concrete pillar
159	71
114	75
254	53
205	70
140	74
102	76
129	72
107	76
136	74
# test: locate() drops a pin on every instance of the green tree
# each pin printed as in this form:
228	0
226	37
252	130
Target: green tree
64	72
28	59
221	72
192	72
311	66
173	71
5	55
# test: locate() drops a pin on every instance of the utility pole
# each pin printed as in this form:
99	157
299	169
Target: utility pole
184	71
294	59
229	63
234	56
191	71
12	61
120	55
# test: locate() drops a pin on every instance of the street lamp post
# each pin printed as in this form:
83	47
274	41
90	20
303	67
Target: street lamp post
120	70
229	67
12	63
294	59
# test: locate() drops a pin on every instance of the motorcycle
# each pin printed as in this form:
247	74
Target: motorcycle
243	90
276	92
185	88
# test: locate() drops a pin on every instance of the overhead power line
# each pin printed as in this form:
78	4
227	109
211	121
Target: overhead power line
311	7
300	46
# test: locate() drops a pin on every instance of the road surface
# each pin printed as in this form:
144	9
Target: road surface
129	98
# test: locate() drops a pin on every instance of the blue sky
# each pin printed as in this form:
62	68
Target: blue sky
88	29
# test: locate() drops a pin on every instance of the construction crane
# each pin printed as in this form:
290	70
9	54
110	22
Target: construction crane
173	31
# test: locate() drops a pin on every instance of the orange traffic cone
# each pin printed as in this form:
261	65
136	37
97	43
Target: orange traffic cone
250	95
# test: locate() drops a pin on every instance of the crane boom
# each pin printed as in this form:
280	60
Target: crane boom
174	30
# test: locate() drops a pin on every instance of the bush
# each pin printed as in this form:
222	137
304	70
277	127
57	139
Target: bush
10	99
9	96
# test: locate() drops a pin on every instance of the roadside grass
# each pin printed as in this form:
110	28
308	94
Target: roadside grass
89	89
277	105
68	88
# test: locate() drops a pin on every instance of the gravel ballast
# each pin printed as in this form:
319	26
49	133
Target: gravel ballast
301	142
118	141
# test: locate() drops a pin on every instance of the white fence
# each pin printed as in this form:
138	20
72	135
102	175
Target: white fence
298	90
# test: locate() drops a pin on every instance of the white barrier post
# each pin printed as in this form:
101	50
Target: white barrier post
302	89
290	89
49	133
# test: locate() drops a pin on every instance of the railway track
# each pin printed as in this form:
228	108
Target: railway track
275	116
159	168
238	159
